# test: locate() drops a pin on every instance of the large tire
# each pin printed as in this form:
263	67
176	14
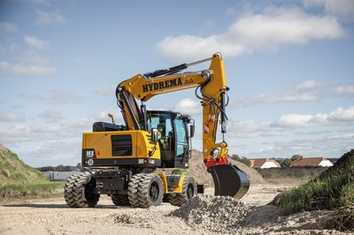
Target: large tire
150	191
120	200
133	189
189	190
80	191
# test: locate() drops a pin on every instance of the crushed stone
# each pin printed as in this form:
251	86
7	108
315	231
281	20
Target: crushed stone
222	214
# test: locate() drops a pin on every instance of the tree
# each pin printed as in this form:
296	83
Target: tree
244	160
235	157
285	162
296	157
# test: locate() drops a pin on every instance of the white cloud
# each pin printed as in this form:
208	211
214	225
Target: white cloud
35	42
5	67
308	84
26	60
294	119
7	27
342	114
280	98
51	116
26	69
336	7
339	115
35	138
260	138
54	97
187	106
10	117
47	18
21	69
313	145
247	127
297	97
345	90
304	92
272	28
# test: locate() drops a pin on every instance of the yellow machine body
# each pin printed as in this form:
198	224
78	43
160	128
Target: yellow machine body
144	153
142	148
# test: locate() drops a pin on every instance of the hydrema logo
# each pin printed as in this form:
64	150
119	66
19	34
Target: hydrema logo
162	85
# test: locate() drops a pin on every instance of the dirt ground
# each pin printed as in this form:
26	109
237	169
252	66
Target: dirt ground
52	216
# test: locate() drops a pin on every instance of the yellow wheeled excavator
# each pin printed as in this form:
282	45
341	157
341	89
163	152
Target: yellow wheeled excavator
143	162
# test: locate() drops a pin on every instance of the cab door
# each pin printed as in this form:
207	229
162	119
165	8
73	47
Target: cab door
182	146
163	122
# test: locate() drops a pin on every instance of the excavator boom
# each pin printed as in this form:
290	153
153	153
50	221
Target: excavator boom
211	88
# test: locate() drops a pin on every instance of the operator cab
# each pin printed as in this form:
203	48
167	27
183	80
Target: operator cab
176	131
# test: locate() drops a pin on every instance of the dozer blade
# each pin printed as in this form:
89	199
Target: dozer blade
229	180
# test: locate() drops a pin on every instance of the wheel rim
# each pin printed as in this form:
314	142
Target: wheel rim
154	191
190	191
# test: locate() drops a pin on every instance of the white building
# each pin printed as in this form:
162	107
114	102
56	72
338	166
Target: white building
312	162
264	163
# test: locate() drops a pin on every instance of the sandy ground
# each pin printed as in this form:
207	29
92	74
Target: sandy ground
52	216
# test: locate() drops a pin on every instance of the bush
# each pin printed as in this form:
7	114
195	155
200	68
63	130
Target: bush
347	195
244	160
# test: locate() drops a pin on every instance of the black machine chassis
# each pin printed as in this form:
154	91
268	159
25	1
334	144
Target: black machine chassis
112	181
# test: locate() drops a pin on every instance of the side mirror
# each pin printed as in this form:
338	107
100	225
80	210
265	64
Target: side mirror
192	130
155	135
112	117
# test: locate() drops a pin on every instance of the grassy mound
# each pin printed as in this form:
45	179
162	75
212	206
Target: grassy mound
18	179
333	188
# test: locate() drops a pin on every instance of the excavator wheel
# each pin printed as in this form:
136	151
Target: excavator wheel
189	190
80	191
145	190
120	200
133	189
150	191
229	180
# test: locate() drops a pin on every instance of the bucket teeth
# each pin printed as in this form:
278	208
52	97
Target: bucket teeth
229	180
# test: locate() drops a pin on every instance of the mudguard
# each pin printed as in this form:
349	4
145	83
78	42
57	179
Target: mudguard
229	180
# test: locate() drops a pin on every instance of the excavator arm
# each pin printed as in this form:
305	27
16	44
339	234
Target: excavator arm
211	88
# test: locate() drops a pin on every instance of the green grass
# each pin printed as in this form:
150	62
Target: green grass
347	195
29	189
333	189
18	179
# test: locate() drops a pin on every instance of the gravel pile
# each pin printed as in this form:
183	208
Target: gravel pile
213	213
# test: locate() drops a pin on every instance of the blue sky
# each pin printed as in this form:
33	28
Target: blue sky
289	66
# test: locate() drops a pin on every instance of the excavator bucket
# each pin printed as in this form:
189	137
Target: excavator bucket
229	180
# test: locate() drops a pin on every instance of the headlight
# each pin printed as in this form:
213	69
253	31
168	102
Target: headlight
215	152
90	162
90	153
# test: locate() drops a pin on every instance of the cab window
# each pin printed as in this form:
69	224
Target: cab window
181	138
163	124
